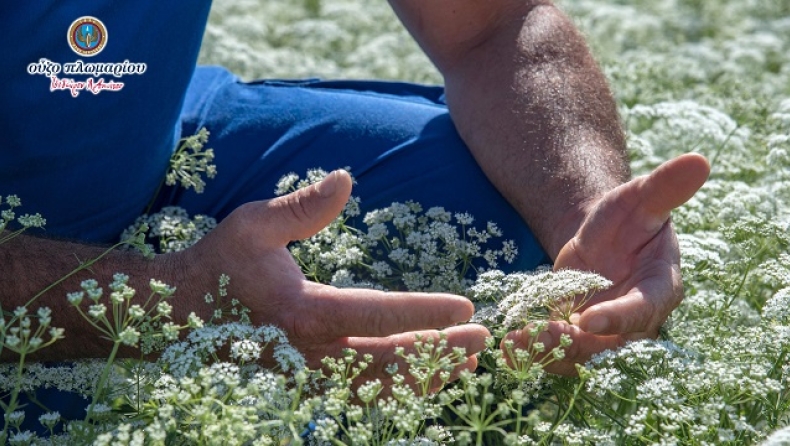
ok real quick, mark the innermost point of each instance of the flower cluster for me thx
(224, 309)
(674, 395)
(23, 222)
(202, 345)
(171, 229)
(521, 298)
(400, 247)
(190, 162)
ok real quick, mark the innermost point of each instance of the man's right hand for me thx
(250, 246)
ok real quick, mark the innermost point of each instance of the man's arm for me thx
(538, 116)
(529, 101)
(250, 246)
(31, 264)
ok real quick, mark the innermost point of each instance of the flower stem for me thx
(104, 377)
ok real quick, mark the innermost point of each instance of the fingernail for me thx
(326, 188)
(598, 324)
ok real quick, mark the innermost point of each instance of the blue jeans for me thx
(397, 139)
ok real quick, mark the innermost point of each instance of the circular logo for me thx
(87, 36)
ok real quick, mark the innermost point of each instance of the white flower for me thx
(44, 316)
(170, 331)
(245, 350)
(161, 288)
(13, 201)
(20, 312)
(779, 438)
(381, 269)
(32, 221)
(777, 308)
(49, 419)
(97, 311)
(164, 308)
(129, 336)
(464, 219)
(75, 298)
(194, 321)
(377, 231)
(15, 418)
(21, 438)
(286, 184)
(12, 340)
(56, 333)
(136, 312)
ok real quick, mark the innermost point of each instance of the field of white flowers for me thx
(690, 75)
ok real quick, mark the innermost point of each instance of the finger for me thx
(333, 313)
(670, 185)
(582, 348)
(673, 183)
(470, 337)
(643, 302)
(303, 213)
(642, 309)
(631, 215)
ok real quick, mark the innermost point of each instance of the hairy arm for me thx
(31, 264)
(250, 246)
(538, 116)
(529, 101)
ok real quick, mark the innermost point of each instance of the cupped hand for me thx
(626, 236)
(320, 320)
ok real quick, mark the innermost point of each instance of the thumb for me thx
(303, 213)
(671, 185)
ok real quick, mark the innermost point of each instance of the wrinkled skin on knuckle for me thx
(309, 341)
(296, 207)
(373, 321)
(378, 321)
(304, 329)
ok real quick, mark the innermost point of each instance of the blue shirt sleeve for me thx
(88, 149)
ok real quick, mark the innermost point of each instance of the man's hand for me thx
(627, 237)
(250, 246)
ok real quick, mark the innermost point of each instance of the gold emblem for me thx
(87, 36)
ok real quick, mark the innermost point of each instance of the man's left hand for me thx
(626, 237)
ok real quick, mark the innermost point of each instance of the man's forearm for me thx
(31, 264)
(539, 118)
(532, 105)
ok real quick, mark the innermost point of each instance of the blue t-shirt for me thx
(86, 130)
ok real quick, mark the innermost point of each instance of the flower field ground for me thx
(689, 75)
(711, 77)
